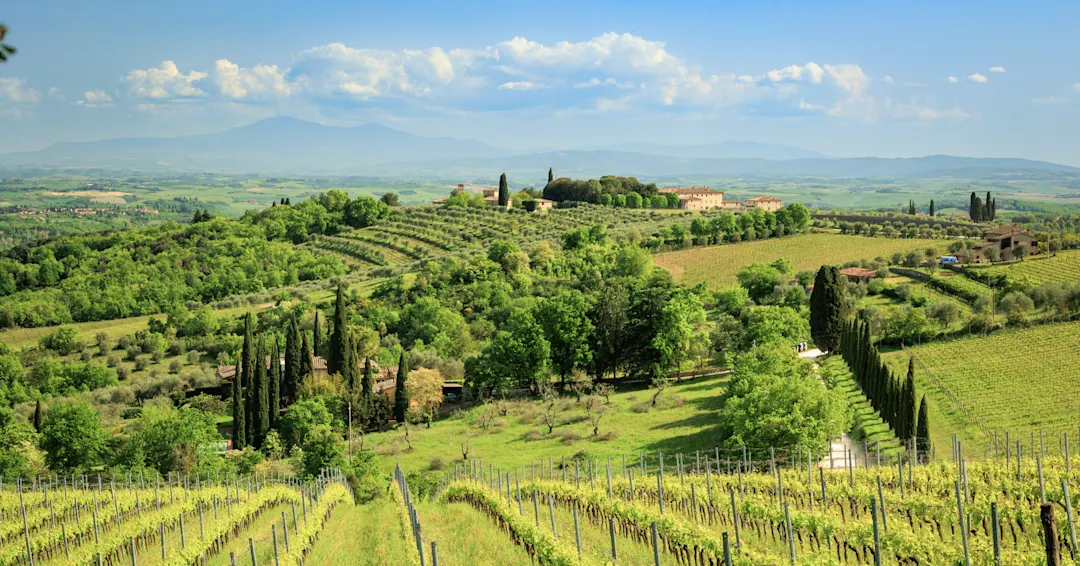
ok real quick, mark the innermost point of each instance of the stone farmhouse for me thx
(1004, 240)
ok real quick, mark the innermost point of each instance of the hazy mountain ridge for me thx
(287, 145)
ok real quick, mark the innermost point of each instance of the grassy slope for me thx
(868, 424)
(717, 265)
(993, 375)
(466, 536)
(687, 424)
(368, 534)
(23, 337)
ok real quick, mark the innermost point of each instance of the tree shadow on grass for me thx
(704, 420)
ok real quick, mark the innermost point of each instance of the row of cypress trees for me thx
(344, 359)
(893, 399)
(261, 387)
(982, 210)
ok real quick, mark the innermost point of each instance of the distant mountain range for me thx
(287, 145)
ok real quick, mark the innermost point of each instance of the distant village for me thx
(690, 198)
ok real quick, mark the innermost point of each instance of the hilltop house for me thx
(1004, 240)
(858, 274)
(696, 198)
(490, 195)
(766, 203)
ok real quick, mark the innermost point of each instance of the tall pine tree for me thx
(316, 335)
(293, 374)
(239, 435)
(401, 395)
(274, 377)
(307, 363)
(369, 379)
(262, 403)
(504, 191)
(922, 431)
(338, 339)
(248, 378)
(826, 308)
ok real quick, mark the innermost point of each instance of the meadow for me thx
(718, 265)
(514, 431)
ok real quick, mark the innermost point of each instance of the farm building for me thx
(1001, 242)
(766, 203)
(228, 372)
(858, 274)
(544, 204)
(490, 194)
(696, 198)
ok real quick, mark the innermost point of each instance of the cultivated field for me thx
(1065, 266)
(1017, 380)
(717, 265)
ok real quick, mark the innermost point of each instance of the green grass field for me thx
(868, 424)
(1017, 380)
(717, 265)
(683, 421)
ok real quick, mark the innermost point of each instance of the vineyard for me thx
(982, 385)
(718, 265)
(725, 507)
(1064, 266)
(77, 520)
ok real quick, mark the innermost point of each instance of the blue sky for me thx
(844, 78)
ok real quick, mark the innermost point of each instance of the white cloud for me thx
(259, 82)
(953, 80)
(17, 99)
(610, 81)
(811, 71)
(581, 76)
(521, 85)
(997, 69)
(95, 99)
(1048, 100)
(164, 82)
(54, 93)
(1076, 86)
(976, 77)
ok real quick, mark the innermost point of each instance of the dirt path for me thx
(843, 447)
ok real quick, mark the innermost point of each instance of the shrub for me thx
(436, 464)
(569, 437)
(175, 366)
(193, 357)
(141, 363)
(158, 355)
(532, 435)
(609, 435)
(123, 372)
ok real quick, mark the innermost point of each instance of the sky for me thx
(896, 79)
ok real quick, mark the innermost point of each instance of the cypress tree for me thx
(986, 207)
(931, 207)
(239, 436)
(37, 415)
(922, 432)
(401, 396)
(307, 364)
(993, 209)
(275, 382)
(504, 191)
(348, 364)
(316, 338)
(336, 354)
(248, 379)
(826, 316)
(971, 207)
(262, 396)
(551, 176)
(908, 404)
(369, 379)
(293, 373)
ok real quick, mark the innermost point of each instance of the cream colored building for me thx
(766, 203)
(696, 198)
